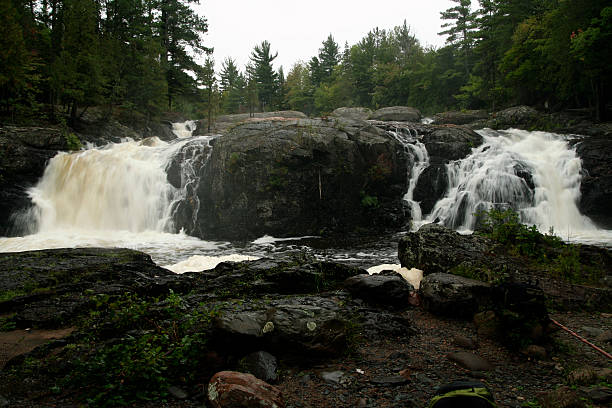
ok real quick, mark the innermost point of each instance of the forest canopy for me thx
(144, 57)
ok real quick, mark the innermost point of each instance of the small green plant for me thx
(72, 141)
(369, 202)
(233, 164)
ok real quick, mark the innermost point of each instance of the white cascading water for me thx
(183, 130)
(409, 138)
(497, 174)
(117, 195)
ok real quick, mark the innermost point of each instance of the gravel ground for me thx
(393, 372)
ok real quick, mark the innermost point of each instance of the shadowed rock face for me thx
(301, 177)
(24, 153)
(596, 187)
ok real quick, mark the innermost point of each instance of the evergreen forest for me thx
(141, 58)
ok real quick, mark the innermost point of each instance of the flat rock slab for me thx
(17, 342)
(389, 381)
(470, 361)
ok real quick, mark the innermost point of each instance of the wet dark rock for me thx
(470, 361)
(296, 328)
(596, 185)
(516, 116)
(262, 365)
(295, 177)
(434, 248)
(267, 276)
(452, 295)
(397, 114)
(24, 152)
(380, 289)
(48, 284)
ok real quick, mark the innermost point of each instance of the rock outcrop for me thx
(596, 186)
(224, 123)
(459, 117)
(352, 113)
(287, 177)
(397, 113)
(437, 249)
(24, 152)
(452, 295)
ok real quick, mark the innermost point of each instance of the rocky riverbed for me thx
(108, 327)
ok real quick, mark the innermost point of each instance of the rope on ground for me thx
(582, 339)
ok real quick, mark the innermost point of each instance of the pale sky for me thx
(297, 29)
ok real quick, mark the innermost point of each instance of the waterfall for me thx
(117, 195)
(535, 173)
(409, 139)
(184, 130)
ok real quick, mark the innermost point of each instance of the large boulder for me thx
(352, 113)
(397, 114)
(24, 152)
(596, 186)
(435, 249)
(307, 327)
(288, 177)
(231, 389)
(390, 290)
(452, 295)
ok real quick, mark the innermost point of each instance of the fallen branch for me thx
(582, 339)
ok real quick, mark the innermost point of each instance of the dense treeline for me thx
(554, 54)
(139, 56)
(58, 57)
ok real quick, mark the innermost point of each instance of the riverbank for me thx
(125, 331)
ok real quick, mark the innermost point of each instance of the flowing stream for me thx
(119, 196)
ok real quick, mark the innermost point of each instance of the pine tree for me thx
(207, 80)
(13, 57)
(264, 75)
(460, 29)
(77, 74)
(181, 29)
(329, 57)
(229, 74)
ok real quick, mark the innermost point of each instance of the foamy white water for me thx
(420, 161)
(114, 196)
(198, 263)
(498, 174)
(184, 130)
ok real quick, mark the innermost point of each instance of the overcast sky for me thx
(296, 29)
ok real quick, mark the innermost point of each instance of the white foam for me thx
(198, 263)
(413, 276)
(267, 239)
